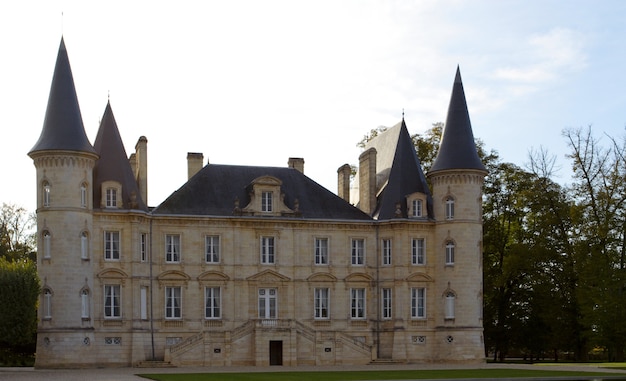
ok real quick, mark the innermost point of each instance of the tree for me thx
(17, 240)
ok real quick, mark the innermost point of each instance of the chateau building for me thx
(252, 265)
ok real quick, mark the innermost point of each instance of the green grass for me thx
(369, 375)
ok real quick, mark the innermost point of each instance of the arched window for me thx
(449, 307)
(84, 245)
(449, 253)
(46, 193)
(83, 195)
(84, 302)
(449, 208)
(46, 307)
(47, 238)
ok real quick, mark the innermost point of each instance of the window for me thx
(47, 304)
(449, 253)
(321, 303)
(143, 247)
(321, 251)
(173, 303)
(84, 245)
(143, 303)
(386, 303)
(172, 248)
(449, 310)
(112, 302)
(386, 251)
(266, 202)
(417, 251)
(212, 303)
(417, 208)
(358, 251)
(418, 303)
(212, 249)
(357, 303)
(47, 238)
(449, 208)
(111, 198)
(111, 245)
(83, 195)
(267, 250)
(46, 193)
(84, 301)
(267, 303)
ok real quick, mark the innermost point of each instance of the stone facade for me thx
(272, 281)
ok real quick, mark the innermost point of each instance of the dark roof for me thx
(457, 149)
(214, 189)
(405, 177)
(63, 127)
(113, 164)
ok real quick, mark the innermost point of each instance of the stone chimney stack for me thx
(141, 167)
(297, 163)
(343, 182)
(194, 163)
(367, 181)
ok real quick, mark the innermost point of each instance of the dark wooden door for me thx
(276, 352)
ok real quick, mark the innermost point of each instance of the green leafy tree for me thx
(17, 239)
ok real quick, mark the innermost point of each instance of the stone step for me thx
(155, 364)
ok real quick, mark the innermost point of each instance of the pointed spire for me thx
(457, 149)
(63, 127)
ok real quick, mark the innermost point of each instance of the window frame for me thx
(321, 251)
(173, 303)
(84, 245)
(46, 189)
(418, 302)
(212, 242)
(386, 247)
(357, 252)
(358, 303)
(418, 251)
(386, 303)
(265, 297)
(212, 303)
(173, 252)
(112, 245)
(267, 201)
(449, 206)
(113, 310)
(321, 303)
(417, 208)
(268, 250)
(46, 306)
(450, 252)
(110, 197)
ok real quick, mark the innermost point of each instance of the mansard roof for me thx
(218, 190)
(457, 149)
(113, 164)
(405, 177)
(63, 127)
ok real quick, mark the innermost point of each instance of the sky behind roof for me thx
(257, 82)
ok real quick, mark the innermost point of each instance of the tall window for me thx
(212, 303)
(47, 304)
(321, 251)
(449, 208)
(417, 208)
(357, 303)
(266, 202)
(267, 303)
(46, 193)
(267, 250)
(321, 302)
(47, 238)
(84, 245)
(173, 303)
(418, 303)
(143, 247)
(449, 253)
(386, 251)
(449, 310)
(84, 301)
(112, 302)
(111, 197)
(212, 249)
(417, 251)
(172, 248)
(358, 251)
(143, 303)
(83, 195)
(111, 245)
(386, 303)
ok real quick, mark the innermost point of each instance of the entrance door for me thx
(276, 352)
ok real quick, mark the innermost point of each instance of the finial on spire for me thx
(402, 113)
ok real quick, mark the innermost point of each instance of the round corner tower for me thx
(457, 177)
(64, 159)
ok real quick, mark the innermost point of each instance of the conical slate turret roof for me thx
(405, 177)
(457, 149)
(113, 164)
(63, 127)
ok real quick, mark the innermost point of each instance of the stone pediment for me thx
(322, 277)
(359, 277)
(208, 276)
(419, 277)
(173, 275)
(267, 180)
(268, 276)
(112, 274)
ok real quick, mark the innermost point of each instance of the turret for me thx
(457, 176)
(64, 160)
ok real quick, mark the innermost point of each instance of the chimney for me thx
(297, 163)
(343, 182)
(194, 163)
(367, 181)
(141, 167)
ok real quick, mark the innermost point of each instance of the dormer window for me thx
(267, 201)
(416, 208)
(111, 197)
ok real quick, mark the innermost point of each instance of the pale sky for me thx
(257, 82)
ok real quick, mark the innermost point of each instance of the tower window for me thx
(83, 195)
(47, 304)
(449, 208)
(449, 253)
(449, 309)
(46, 193)
(84, 245)
(47, 238)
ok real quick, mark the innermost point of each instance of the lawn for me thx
(371, 375)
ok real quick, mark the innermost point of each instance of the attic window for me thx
(111, 195)
(266, 201)
(417, 207)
